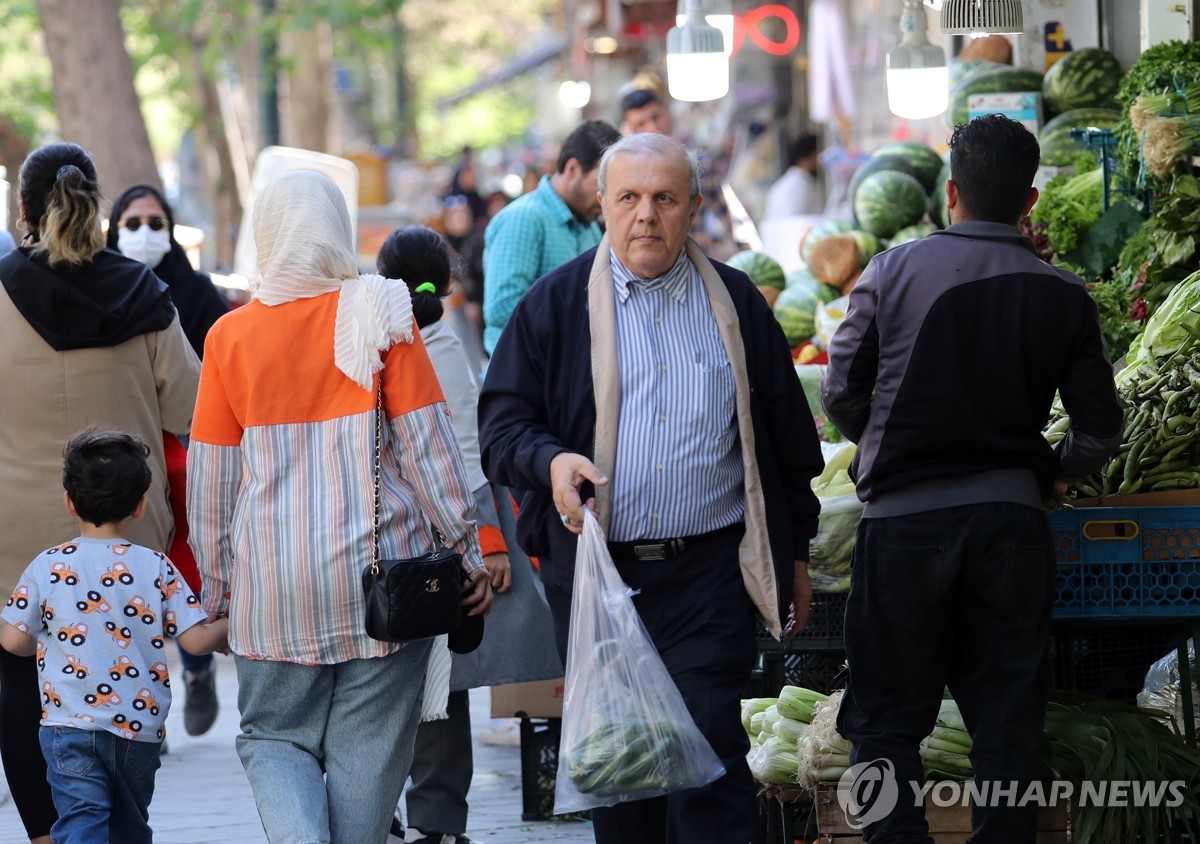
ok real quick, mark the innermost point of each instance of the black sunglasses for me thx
(156, 224)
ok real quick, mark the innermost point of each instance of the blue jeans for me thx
(102, 785)
(327, 747)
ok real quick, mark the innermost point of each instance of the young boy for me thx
(95, 611)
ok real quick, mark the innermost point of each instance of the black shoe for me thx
(438, 837)
(200, 708)
(397, 828)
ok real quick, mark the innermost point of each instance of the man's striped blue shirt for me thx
(678, 470)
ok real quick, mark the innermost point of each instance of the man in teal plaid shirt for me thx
(545, 228)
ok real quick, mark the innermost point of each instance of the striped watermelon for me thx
(796, 309)
(888, 201)
(828, 228)
(926, 164)
(875, 164)
(939, 212)
(959, 69)
(763, 270)
(911, 233)
(1086, 78)
(868, 245)
(1058, 147)
(991, 80)
(803, 275)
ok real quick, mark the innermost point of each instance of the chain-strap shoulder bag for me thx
(417, 598)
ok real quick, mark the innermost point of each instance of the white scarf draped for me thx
(305, 249)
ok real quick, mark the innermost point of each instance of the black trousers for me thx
(24, 765)
(702, 622)
(959, 597)
(441, 771)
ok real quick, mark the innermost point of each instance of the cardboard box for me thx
(540, 699)
(1025, 108)
(947, 824)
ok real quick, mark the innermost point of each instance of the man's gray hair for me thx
(651, 142)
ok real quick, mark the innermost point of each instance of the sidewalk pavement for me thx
(202, 796)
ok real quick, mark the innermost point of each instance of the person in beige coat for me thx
(87, 336)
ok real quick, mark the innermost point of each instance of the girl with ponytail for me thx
(442, 767)
(60, 205)
(87, 336)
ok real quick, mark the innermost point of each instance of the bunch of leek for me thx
(1106, 741)
(823, 754)
(831, 551)
(774, 761)
(797, 703)
(944, 751)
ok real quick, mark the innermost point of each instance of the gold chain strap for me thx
(378, 469)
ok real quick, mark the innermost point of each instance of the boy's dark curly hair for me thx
(106, 473)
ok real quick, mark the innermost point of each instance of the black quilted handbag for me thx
(411, 599)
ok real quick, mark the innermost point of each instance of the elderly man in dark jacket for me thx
(656, 386)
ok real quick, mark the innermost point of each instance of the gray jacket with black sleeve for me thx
(946, 366)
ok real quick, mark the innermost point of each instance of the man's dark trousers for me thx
(700, 618)
(958, 597)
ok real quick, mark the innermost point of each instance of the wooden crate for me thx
(947, 824)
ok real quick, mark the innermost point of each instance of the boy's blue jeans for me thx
(102, 785)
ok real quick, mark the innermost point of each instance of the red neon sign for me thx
(749, 26)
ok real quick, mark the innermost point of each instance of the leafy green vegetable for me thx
(1158, 69)
(1165, 249)
(1114, 302)
(1069, 206)
(1174, 323)
(1101, 245)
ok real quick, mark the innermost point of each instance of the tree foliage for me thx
(445, 48)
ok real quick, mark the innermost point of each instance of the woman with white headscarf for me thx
(280, 491)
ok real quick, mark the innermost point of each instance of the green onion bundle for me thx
(1159, 390)
(1104, 741)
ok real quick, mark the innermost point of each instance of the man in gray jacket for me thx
(944, 372)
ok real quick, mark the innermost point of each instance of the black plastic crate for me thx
(819, 670)
(539, 767)
(1107, 662)
(825, 630)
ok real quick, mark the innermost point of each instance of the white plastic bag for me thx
(828, 317)
(1164, 687)
(626, 732)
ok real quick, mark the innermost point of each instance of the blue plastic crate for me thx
(1126, 562)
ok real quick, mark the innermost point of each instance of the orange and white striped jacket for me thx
(280, 481)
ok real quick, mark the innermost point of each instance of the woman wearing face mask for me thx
(142, 227)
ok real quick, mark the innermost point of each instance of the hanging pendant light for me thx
(697, 64)
(982, 17)
(917, 79)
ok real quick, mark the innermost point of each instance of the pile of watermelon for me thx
(989, 78)
(895, 189)
(796, 307)
(763, 270)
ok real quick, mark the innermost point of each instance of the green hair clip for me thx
(425, 287)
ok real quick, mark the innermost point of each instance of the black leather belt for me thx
(664, 549)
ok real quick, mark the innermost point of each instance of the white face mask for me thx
(145, 244)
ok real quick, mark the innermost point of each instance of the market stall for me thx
(1120, 207)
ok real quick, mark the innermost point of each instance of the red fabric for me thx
(180, 553)
(491, 541)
